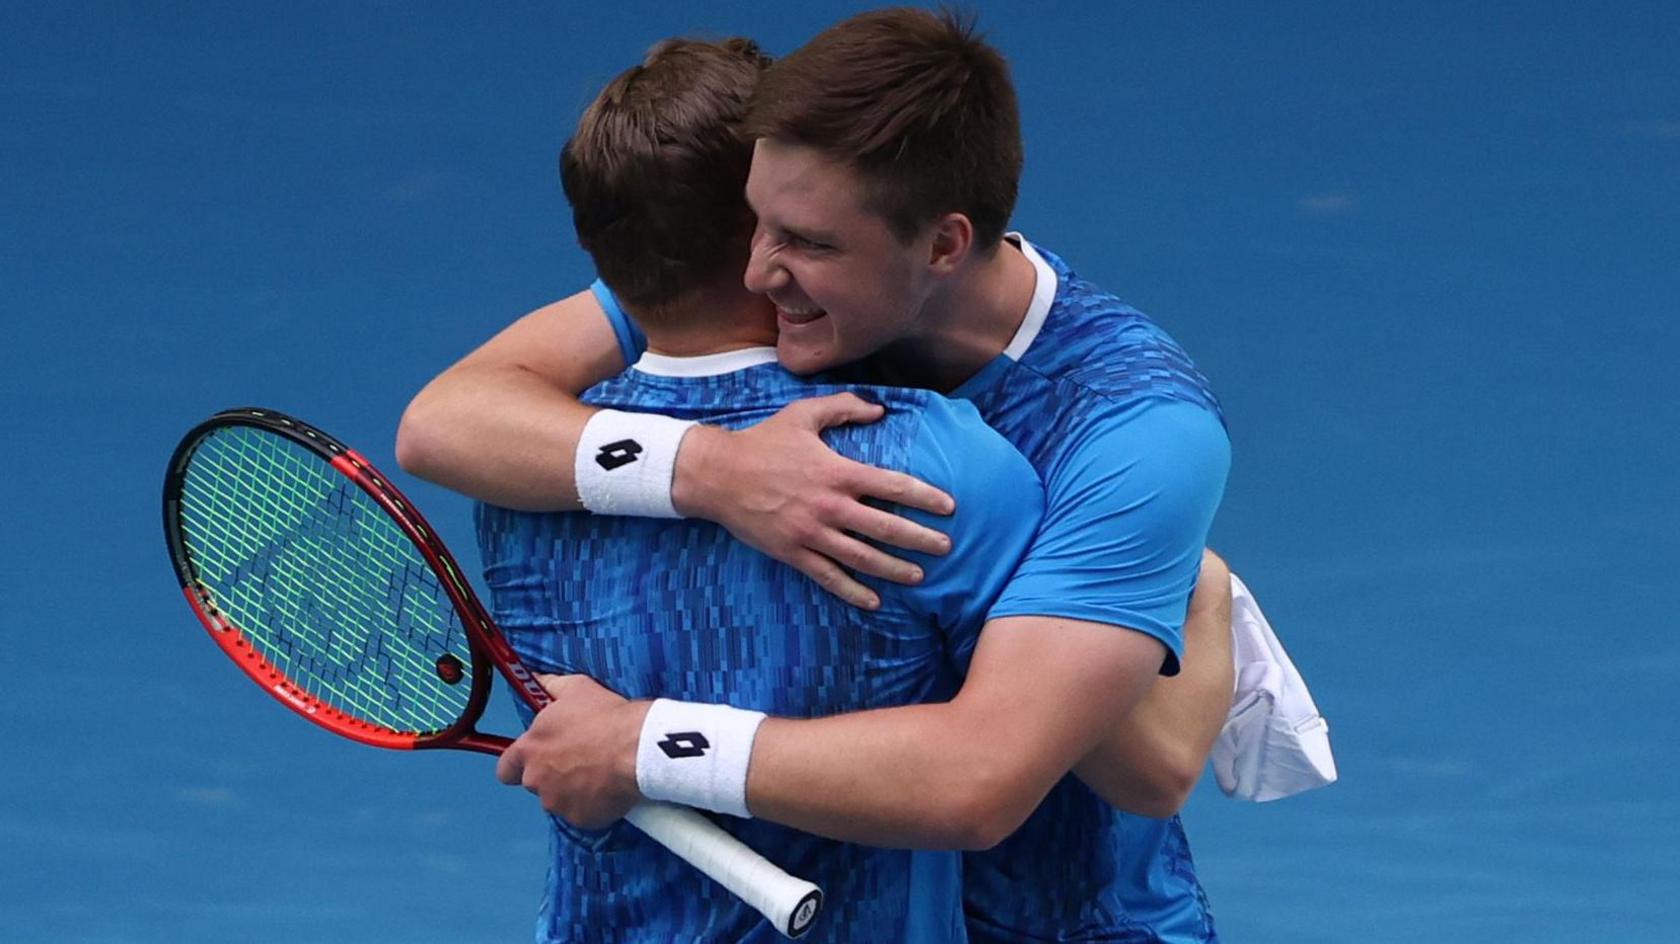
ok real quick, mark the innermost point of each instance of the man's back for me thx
(667, 608)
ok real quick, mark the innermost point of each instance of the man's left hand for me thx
(579, 756)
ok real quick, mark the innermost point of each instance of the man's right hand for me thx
(779, 488)
(579, 755)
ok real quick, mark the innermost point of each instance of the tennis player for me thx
(881, 232)
(906, 257)
(661, 607)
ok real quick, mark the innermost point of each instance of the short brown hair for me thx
(656, 171)
(917, 103)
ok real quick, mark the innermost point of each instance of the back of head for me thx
(657, 169)
(917, 103)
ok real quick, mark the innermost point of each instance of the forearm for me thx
(495, 432)
(1039, 695)
(902, 777)
(1149, 763)
(502, 425)
(963, 774)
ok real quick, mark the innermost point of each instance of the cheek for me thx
(881, 307)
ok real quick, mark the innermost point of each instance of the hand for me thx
(779, 488)
(579, 756)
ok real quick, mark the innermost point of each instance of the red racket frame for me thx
(483, 638)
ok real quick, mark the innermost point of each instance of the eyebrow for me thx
(809, 235)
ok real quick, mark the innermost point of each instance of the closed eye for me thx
(801, 242)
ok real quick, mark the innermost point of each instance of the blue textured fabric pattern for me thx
(663, 608)
(1130, 443)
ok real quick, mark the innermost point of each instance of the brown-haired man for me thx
(941, 305)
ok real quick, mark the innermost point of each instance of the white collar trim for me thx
(1044, 293)
(705, 365)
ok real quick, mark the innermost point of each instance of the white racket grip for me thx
(791, 904)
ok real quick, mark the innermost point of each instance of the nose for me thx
(764, 274)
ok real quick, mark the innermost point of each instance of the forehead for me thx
(796, 186)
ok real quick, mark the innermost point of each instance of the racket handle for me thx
(790, 903)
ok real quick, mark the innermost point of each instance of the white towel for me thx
(1274, 743)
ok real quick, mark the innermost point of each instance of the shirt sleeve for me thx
(631, 341)
(999, 503)
(1129, 501)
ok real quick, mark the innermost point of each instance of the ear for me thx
(953, 240)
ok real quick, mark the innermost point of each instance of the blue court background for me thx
(1427, 254)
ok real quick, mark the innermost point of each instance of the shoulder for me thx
(890, 442)
(953, 441)
(1130, 497)
(942, 441)
(1150, 476)
(1108, 349)
(1149, 432)
(1000, 504)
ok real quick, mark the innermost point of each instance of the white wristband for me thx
(697, 755)
(625, 461)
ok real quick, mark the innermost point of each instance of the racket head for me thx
(323, 584)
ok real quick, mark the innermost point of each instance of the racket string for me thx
(322, 582)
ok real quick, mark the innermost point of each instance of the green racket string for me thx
(321, 581)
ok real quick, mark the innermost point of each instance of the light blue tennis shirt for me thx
(679, 609)
(1130, 444)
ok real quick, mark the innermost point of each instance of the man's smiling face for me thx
(843, 284)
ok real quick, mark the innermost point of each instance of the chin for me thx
(802, 360)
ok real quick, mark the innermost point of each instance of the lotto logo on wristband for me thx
(615, 454)
(684, 744)
(676, 762)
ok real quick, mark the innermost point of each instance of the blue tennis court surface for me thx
(1426, 254)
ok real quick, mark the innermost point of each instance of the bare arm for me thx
(502, 424)
(1149, 762)
(1040, 693)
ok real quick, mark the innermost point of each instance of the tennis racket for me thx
(324, 584)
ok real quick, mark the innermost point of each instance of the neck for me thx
(968, 321)
(710, 321)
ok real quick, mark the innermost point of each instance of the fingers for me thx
(837, 409)
(860, 557)
(866, 481)
(890, 529)
(510, 767)
(814, 513)
(832, 578)
(819, 413)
